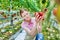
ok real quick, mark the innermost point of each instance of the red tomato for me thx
(5, 16)
(13, 15)
(39, 13)
(55, 11)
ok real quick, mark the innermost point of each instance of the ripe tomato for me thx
(40, 14)
(13, 15)
(55, 11)
(5, 16)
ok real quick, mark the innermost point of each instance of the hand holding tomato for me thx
(39, 16)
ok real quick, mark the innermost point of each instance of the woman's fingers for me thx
(36, 14)
(37, 18)
(40, 19)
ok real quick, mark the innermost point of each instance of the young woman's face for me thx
(26, 16)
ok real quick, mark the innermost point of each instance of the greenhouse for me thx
(29, 19)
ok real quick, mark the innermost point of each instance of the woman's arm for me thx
(39, 23)
(39, 28)
(31, 32)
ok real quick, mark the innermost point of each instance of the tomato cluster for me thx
(13, 15)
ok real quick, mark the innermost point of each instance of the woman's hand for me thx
(39, 22)
(39, 18)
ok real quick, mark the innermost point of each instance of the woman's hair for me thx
(21, 11)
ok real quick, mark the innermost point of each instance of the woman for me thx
(30, 25)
